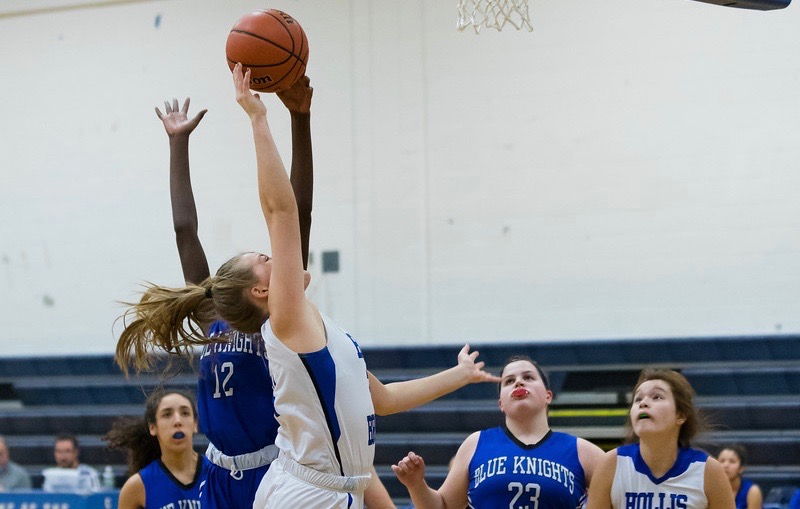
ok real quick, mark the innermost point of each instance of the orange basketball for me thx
(273, 45)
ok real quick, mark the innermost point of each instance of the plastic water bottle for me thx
(84, 486)
(108, 478)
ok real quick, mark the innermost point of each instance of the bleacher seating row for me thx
(748, 386)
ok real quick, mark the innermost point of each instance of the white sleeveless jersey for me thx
(682, 487)
(323, 403)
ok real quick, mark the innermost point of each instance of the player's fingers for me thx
(159, 114)
(167, 107)
(185, 108)
(175, 105)
(237, 70)
(197, 118)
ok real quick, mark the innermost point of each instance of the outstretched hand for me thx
(410, 470)
(176, 122)
(297, 98)
(474, 370)
(251, 103)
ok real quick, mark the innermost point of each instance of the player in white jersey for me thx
(320, 380)
(327, 425)
(659, 470)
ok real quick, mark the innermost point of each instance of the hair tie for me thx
(209, 295)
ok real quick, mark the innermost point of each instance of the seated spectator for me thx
(69, 476)
(12, 476)
(747, 493)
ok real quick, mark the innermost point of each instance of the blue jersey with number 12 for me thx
(234, 392)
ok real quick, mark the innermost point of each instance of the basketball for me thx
(273, 45)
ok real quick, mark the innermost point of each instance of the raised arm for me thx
(184, 212)
(297, 100)
(293, 319)
(401, 396)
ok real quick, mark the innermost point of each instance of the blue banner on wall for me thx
(41, 500)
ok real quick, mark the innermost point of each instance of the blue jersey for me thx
(741, 495)
(234, 392)
(504, 472)
(163, 491)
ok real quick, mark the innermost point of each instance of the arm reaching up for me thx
(280, 289)
(297, 100)
(184, 212)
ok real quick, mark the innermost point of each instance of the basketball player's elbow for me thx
(384, 399)
(275, 207)
(185, 230)
(383, 410)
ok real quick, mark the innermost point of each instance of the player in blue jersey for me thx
(522, 464)
(334, 388)
(746, 493)
(659, 469)
(234, 387)
(167, 472)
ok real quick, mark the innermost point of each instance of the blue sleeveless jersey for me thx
(234, 392)
(163, 491)
(741, 495)
(504, 472)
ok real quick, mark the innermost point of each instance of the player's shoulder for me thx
(132, 493)
(471, 442)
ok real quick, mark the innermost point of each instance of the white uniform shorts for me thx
(288, 484)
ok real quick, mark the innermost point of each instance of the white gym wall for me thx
(629, 169)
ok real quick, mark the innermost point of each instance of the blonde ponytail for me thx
(171, 320)
(167, 320)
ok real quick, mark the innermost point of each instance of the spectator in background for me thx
(747, 494)
(12, 476)
(69, 475)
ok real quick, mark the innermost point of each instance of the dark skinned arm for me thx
(297, 100)
(184, 212)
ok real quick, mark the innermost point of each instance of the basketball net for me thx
(493, 14)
